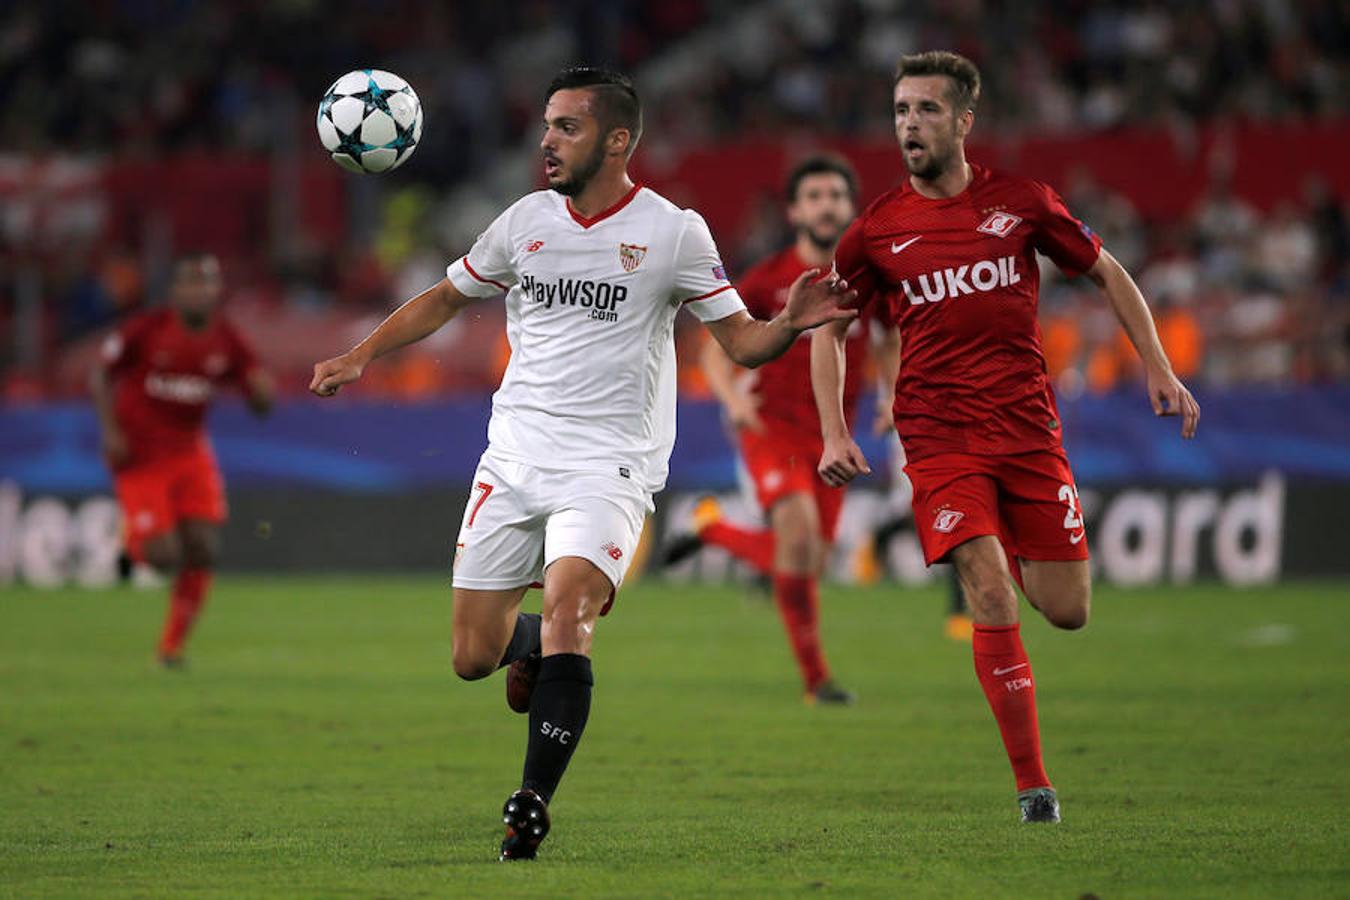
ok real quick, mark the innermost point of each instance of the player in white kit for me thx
(594, 271)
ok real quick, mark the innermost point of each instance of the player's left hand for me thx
(1169, 397)
(331, 374)
(813, 300)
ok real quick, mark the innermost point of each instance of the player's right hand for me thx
(842, 461)
(744, 414)
(115, 447)
(332, 374)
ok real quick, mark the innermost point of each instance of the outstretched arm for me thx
(1166, 393)
(812, 301)
(408, 324)
(842, 459)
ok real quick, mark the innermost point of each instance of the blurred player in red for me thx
(954, 250)
(158, 374)
(778, 429)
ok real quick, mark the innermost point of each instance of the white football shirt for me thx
(590, 317)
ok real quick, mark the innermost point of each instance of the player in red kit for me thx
(778, 430)
(953, 249)
(156, 379)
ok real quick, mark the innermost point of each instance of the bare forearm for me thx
(1131, 310)
(414, 320)
(100, 391)
(758, 341)
(828, 360)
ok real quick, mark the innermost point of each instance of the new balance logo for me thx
(1011, 669)
(896, 248)
(979, 278)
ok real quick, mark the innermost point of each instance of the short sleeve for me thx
(701, 282)
(122, 347)
(486, 270)
(851, 262)
(1072, 245)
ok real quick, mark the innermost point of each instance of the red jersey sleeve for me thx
(1073, 246)
(122, 348)
(850, 260)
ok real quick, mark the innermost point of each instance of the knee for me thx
(164, 555)
(199, 554)
(1069, 612)
(470, 663)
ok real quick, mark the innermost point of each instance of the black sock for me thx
(558, 711)
(524, 640)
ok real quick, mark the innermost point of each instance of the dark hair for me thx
(965, 78)
(821, 164)
(616, 102)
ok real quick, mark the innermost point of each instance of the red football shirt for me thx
(960, 274)
(164, 375)
(783, 385)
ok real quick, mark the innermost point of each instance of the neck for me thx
(604, 190)
(810, 252)
(193, 324)
(950, 183)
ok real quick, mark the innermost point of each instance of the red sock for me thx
(1005, 674)
(189, 592)
(799, 605)
(753, 545)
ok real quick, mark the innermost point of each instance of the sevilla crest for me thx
(630, 256)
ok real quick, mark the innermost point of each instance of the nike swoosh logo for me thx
(896, 248)
(1075, 538)
(1011, 669)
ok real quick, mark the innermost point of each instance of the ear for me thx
(618, 140)
(965, 122)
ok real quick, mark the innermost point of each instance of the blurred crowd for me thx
(1242, 294)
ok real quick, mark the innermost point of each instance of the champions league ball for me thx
(370, 121)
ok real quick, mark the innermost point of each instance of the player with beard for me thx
(778, 430)
(954, 249)
(157, 376)
(594, 270)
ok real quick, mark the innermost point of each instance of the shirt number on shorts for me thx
(486, 491)
(1074, 517)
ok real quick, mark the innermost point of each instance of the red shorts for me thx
(1028, 501)
(156, 496)
(784, 462)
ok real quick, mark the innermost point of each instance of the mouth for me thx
(913, 147)
(551, 166)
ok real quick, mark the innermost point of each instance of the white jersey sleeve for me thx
(488, 268)
(701, 282)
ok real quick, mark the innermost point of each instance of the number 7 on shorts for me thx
(486, 490)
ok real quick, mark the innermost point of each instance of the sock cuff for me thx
(566, 667)
(998, 629)
(794, 581)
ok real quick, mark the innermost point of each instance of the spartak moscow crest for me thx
(630, 256)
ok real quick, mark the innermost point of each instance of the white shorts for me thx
(521, 518)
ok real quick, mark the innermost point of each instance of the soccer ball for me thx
(370, 121)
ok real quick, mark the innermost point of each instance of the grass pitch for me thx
(320, 746)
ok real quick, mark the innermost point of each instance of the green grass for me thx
(319, 746)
